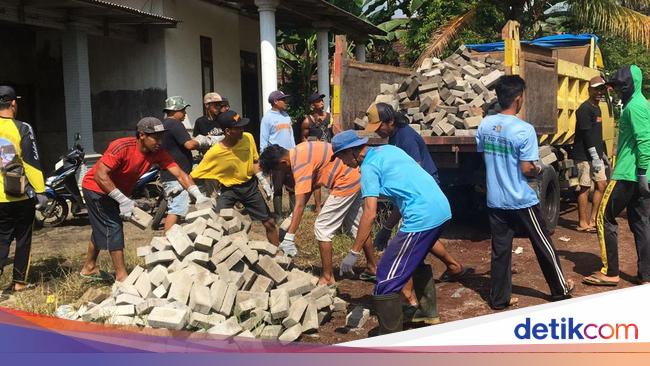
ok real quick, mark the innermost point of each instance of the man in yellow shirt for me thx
(233, 162)
(18, 195)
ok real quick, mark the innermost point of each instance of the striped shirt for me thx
(312, 168)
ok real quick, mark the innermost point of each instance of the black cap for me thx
(150, 125)
(7, 93)
(231, 119)
(277, 95)
(315, 97)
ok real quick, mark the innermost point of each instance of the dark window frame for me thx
(206, 62)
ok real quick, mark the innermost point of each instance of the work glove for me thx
(643, 182)
(288, 246)
(266, 187)
(382, 237)
(198, 196)
(215, 139)
(347, 266)
(41, 201)
(204, 141)
(126, 205)
(596, 162)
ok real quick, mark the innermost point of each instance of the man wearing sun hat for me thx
(425, 211)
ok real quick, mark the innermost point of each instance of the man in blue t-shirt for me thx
(509, 147)
(425, 211)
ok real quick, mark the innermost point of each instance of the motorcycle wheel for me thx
(161, 211)
(54, 213)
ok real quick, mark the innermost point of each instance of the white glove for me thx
(266, 187)
(347, 266)
(215, 139)
(41, 201)
(203, 141)
(596, 162)
(126, 205)
(198, 196)
(288, 246)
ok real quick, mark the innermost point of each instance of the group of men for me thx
(357, 176)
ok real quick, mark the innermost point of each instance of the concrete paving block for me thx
(120, 320)
(244, 307)
(200, 301)
(324, 316)
(227, 213)
(232, 226)
(447, 128)
(234, 258)
(261, 298)
(198, 257)
(490, 79)
(159, 244)
(261, 284)
(147, 305)
(339, 304)
(198, 320)
(214, 224)
(250, 254)
(143, 251)
(357, 317)
(143, 285)
(141, 218)
(217, 293)
(254, 319)
(298, 286)
(204, 278)
(236, 278)
(271, 269)
(213, 234)
(174, 319)
(323, 301)
(279, 301)
(296, 312)
(159, 292)
(157, 275)
(228, 328)
(203, 243)
(549, 159)
(125, 310)
(176, 266)
(196, 228)
(291, 334)
(221, 255)
(284, 261)
(180, 241)
(472, 122)
(317, 292)
(386, 88)
(204, 213)
(133, 276)
(180, 288)
(122, 288)
(246, 334)
(128, 299)
(310, 319)
(249, 278)
(271, 332)
(228, 300)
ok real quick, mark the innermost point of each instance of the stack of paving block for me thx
(207, 276)
(446, 97)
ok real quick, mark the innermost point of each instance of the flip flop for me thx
(367, 276)
(11, 290)
(101, 276)
(597, 281)
(591, 230)
(451, 277)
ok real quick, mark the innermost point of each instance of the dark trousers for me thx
(618, 196)
(16, 221)
(502, 225)
(281, 179)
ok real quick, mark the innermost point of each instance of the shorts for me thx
(105, 221)
(338, 211)
(586, 174)
(249, 195)
(177, 204)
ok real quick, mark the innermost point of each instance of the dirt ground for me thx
(57, 255)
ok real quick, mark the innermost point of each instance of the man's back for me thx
(312, 160)
(412, 143)
(173, 141)
(506, 141)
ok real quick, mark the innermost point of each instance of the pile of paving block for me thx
(446, 97)
(207, 276)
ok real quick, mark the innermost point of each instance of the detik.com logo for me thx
(569, 328)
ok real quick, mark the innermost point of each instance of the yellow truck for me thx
(557, 81)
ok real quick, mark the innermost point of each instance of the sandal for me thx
(513, 301)
(570, 287)
(100, 277)
(367, 276)
(455, 277)
(590, 230)
(593, 280)
(12, 290)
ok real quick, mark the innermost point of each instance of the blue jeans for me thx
(177, 203)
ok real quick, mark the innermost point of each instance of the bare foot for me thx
(325, 281)
(20, 286)
(90, 271)
(454, 268)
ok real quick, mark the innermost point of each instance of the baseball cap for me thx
(346, 140)
(231, 119)
(175, 103)
(597, 81)
(315, 97)
(373, 119)
(212, 98)
(7, 93)
(277, 95)
(150, 125)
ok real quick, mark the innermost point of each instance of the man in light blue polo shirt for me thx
(387, 171)
(509, 147)
(276, 128)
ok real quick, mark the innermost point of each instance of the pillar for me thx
(360, 51)
(322, 45)
(266, 9)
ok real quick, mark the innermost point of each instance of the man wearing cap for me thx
(207, 125)
(313, 166)
(107, 186)
(17, 201)
(233, 163)
(178, 143)
(628, 190)
(425, 211)
(317, 127)
(588, 155)
(276, 128)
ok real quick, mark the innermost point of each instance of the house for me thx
(95, 67)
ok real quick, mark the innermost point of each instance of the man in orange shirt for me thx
(312, 167)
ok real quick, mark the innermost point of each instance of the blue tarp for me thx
(560, 40)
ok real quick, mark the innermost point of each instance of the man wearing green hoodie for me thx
(628, 188)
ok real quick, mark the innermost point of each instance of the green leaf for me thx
(415, 5)
(392, 24)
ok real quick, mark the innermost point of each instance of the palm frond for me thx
(440, 38)
(611, 17)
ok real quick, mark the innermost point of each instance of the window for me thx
(206, 65)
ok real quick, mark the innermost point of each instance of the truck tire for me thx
(549, 197)
(160, 213)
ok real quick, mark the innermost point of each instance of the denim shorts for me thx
(177, 203)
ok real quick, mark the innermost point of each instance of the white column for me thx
(322, 31)
(76, 86)
(266, 9)
(360, 51)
